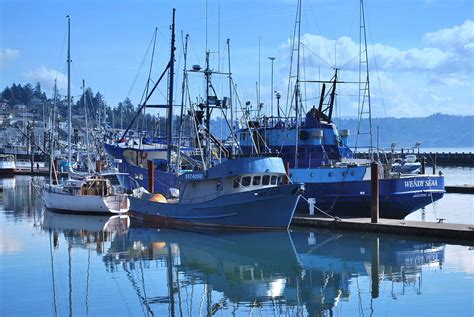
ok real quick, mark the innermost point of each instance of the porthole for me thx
(344, 174)
(330, 174)
(311, 175)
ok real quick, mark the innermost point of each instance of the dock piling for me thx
(374, 177)
(151, 176)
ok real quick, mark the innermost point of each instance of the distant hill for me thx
(437, 130)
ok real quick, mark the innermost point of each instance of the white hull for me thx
(89, 204)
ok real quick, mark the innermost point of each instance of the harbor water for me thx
(56, 264)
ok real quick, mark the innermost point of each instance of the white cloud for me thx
(46, 76)
(8, 55)
(457, 37)
(436, 77)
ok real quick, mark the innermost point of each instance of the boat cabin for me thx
(231, 176)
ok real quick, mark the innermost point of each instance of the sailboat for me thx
(93, 194)
(318, 153)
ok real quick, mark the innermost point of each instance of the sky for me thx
(420, 52)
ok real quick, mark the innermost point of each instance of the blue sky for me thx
(421, 52)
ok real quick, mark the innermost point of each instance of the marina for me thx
(339, 184)
(83, 264)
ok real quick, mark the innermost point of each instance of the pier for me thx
(438, 158)
(438, 230)
(463, 189)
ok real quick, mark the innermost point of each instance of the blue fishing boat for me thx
(242, 193)
(318, 154)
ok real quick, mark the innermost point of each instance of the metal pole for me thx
(271, 94)
(170, 94)
(374, 173)
(69, 128)
(230, 104)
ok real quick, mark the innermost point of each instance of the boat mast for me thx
(230, 101)
(207, 73)
(364, 87)
(183, 91)
(297, 84)
(69, 89)
(89, 162)
(170, 93)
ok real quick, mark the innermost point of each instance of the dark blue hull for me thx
(266, 208)
(398, 196)
(163, 181)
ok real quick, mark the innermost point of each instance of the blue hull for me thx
(266, 208)
(162, 183)
(398, 197)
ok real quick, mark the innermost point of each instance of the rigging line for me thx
(350, 28)
(315, 54)
(141, 66)
(61, 56)
(319, 29)
(376, 67)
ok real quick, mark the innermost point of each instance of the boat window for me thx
(246, 181)
(273, 180)
(236, 183)
(265, 180)
(256, 180)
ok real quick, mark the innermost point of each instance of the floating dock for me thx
(438, 158)
(463, 189)
(439, 230)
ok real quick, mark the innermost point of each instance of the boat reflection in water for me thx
(335, 264)
(206, 272)
(299, 273)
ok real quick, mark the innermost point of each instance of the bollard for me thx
(374, 179)
(311, 203)
(151, 176)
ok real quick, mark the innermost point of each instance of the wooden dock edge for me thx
(467, 189)
(457, 233)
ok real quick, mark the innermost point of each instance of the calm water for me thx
(59, 265)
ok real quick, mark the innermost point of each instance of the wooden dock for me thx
(439, 230)
(438, 158)
(463, 189)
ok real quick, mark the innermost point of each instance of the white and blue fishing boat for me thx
(318, 154)
(229, 190)
(245, 192)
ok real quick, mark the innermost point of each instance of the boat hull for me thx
(139, 174)
(85, 204)
(398, 196)
(266, 208)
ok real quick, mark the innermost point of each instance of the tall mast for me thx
(69, 128)
(230, 100)
(297, 84)
(183, 90)
(364, 87)
(170, 94)
(84, 103)
(208, 111)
